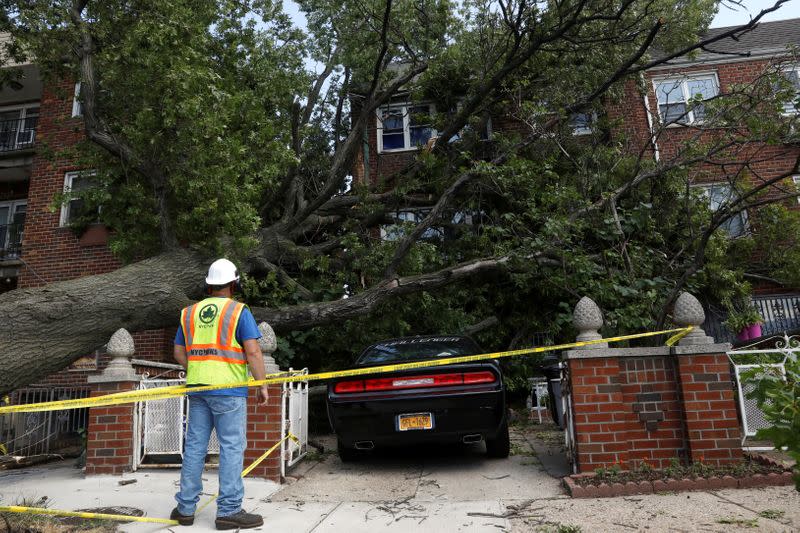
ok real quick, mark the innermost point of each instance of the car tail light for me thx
(471, 378)
(349, 386)
(415, 382)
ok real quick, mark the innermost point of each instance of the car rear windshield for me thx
(417, 349)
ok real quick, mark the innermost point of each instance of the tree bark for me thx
(45, 329)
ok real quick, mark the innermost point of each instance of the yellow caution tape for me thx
(78, 514)
(127, 518)
(250, 468)
(283, 377)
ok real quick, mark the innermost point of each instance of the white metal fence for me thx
(160, 426)
(294, 407)
(48, 432)
(750, 361)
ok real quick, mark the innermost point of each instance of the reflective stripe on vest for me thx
(215, 357)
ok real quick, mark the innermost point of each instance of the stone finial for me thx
(588, 319)
(120, 347)
(268, 344)
(689, 312)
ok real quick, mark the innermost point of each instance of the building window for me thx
(719, 194)
(12, 222)
(18, 127)
(581, 123)
(792, 106)
(73, 207)
(796, 180)
(675, 96)
(77, 106)
(404, 126)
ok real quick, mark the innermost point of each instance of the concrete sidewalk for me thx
(438, 491)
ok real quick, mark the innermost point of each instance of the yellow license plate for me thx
(415, 421)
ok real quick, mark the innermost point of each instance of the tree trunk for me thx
(45, 329)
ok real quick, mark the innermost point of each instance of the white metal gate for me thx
(294, 408)
(746, 360)
(160, 425)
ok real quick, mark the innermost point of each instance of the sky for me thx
(742, 15)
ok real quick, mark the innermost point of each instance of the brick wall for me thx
(263, 431)
(711, 415)
(109, 447)
(55, 253)
(646, 405)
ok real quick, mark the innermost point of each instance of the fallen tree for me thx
(209, 136)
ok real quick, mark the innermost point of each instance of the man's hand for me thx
(263, 395)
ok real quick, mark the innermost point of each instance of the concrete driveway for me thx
(437, 490)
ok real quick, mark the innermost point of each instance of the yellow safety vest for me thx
(215, 357)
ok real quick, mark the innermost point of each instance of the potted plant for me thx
(746, 322)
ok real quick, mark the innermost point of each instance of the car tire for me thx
(500, 446)
(346, 454)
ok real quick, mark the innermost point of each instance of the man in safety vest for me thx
(216, 343)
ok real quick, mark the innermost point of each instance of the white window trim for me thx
(406, 126)
(77, 107)
(684, 78)
(796, 180)
(68, 177)
(796, 111)
(705, 189)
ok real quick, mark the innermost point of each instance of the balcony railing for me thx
(17, 134)
(780, 312)
(10, 240)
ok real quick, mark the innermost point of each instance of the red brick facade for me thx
(263, 431)
(54, 253)
(109, 447)
(648, 405)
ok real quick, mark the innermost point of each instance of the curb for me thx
(610, 490)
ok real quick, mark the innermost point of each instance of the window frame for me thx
(405, 106)
(588, 130)
(5, 224)
(23, 115)
(705, 190)
(795, 110)
(689, 117)
(69, 177)
(77, 105)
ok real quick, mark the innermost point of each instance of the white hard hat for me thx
(222, 272)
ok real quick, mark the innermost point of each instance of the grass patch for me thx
(772, 514)
(743, 522)
(39, 523)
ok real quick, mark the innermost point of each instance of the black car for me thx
(440, 404)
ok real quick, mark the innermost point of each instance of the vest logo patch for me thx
(208, 313)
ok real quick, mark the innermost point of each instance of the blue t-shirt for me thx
(246, 329)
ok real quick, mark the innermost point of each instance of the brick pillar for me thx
(710, 411)
(263, 431)
(704, 377)
(264, 421)
(598, 411)
(109, 447)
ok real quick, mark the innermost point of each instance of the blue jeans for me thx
(228, 415)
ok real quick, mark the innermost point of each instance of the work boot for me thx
(183, 519)
(240, 520)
